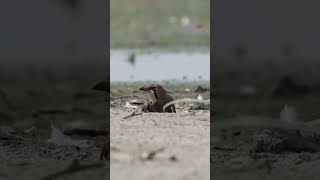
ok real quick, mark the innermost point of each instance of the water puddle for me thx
(159, 65)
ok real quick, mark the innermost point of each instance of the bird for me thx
(156, 98)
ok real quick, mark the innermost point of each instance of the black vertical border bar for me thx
(107, 57)
(212, 57)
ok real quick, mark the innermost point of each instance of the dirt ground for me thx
(153, 146)
(30, 156)
(249, 138)
(147, 146)
(251, 149)
(32, 100)
(160, 146)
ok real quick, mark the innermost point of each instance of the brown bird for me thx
(155, 99)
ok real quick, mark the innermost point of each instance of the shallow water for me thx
(156, 65)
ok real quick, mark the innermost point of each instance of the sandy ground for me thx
(160, 146)
(249, 141)
(264, 148)
(29, 155)
(148, 146)
(32, 100)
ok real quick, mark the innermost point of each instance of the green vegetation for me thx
(151, 23)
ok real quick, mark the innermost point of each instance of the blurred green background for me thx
(153, 23)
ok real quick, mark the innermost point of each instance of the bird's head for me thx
(155, 88)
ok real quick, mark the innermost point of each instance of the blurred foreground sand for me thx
(156, 146)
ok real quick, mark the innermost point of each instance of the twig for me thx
(74, 167)
(147, 156)
(85, 132)
(132, 114)
(224, 148)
